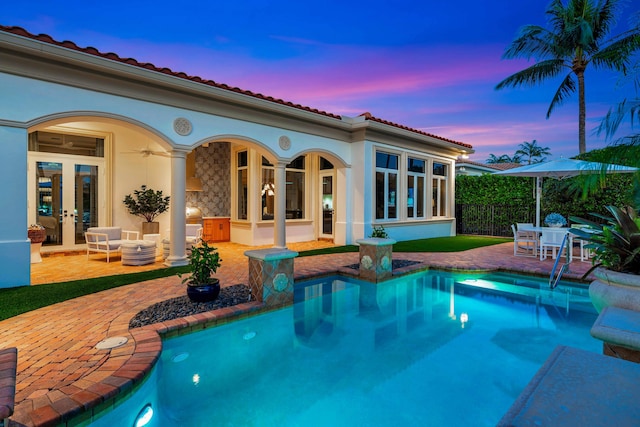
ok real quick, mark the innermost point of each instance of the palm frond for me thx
(533, 42)
(566, 88)
(614, 118)
(534, 74)
(618, 54)
(605, 18)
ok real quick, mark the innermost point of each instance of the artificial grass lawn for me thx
(16, 301)
(436, 244)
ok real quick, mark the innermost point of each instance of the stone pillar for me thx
(271, 275)
(376, 258)
(177, 252)
(280, 211)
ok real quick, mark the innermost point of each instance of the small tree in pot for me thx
(204, 261)
(148, 204)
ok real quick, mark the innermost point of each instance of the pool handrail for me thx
(553, 280)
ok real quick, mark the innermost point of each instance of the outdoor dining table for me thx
(559, 230)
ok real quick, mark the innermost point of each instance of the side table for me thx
(156, 238)
(138, 252)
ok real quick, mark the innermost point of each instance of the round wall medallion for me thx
(385, 263)
(280, 282)
(284, 142)
(182, 126)
(366, 262)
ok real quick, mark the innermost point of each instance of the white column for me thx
(177, 253)
(15, 247)
(344, 200)
(279, 223)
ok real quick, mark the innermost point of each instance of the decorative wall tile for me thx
(213, 167)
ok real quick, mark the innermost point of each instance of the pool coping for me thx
(125, 368)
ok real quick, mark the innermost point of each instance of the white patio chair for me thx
(520, 226)
(585, 253)
(552, 240)
(525, 243)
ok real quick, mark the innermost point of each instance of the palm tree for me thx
(578, 37)
(532, 152)
(503, 158)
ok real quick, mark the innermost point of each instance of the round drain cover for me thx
(111, 342)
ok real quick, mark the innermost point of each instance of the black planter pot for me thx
(204, 293)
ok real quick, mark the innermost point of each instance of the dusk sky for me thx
(430, 65)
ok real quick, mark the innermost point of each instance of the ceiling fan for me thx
(146, 152)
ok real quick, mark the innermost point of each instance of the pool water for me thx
(427, 349)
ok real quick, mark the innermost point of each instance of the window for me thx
(386, 185)
(49, 142)
(439, 199)
(416, 179)
(243, 178)
(325, 164)
(268, 190)
(295, 189)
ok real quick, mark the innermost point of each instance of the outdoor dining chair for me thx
(525, 243)
(551, 240)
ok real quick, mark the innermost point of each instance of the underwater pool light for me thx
(464, 318)
(180, 357)
(144, 416)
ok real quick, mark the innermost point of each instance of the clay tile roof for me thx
(148, 66)
(369, 116)
(504, 166)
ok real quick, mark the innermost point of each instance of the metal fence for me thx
(492, 220)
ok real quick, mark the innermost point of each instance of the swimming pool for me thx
(432, 348)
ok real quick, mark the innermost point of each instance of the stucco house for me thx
(81, 129)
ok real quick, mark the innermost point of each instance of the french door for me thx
(65, 194)
(327, 208)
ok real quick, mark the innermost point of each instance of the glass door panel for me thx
(65, 197)
(327, 205)
(49, 200)
(86, 200)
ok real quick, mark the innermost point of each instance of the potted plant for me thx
(204, 260)
(148, 204)
(616, 259)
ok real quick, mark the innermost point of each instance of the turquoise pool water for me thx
(427, 349)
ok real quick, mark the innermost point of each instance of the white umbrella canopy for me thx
(561, 169)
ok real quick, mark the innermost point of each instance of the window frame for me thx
(304, 203)
(415, 177)
(386, 172)
(440, 191)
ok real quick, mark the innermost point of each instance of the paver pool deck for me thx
(61, 374)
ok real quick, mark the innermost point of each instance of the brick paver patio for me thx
(61, 373)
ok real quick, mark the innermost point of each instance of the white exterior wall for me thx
(134, 108)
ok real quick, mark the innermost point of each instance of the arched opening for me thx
(80, 169)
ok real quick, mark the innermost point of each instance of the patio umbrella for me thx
(560, 169)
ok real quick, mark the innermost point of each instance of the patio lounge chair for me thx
(525, 243)
(107, 239)
(193, 234)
